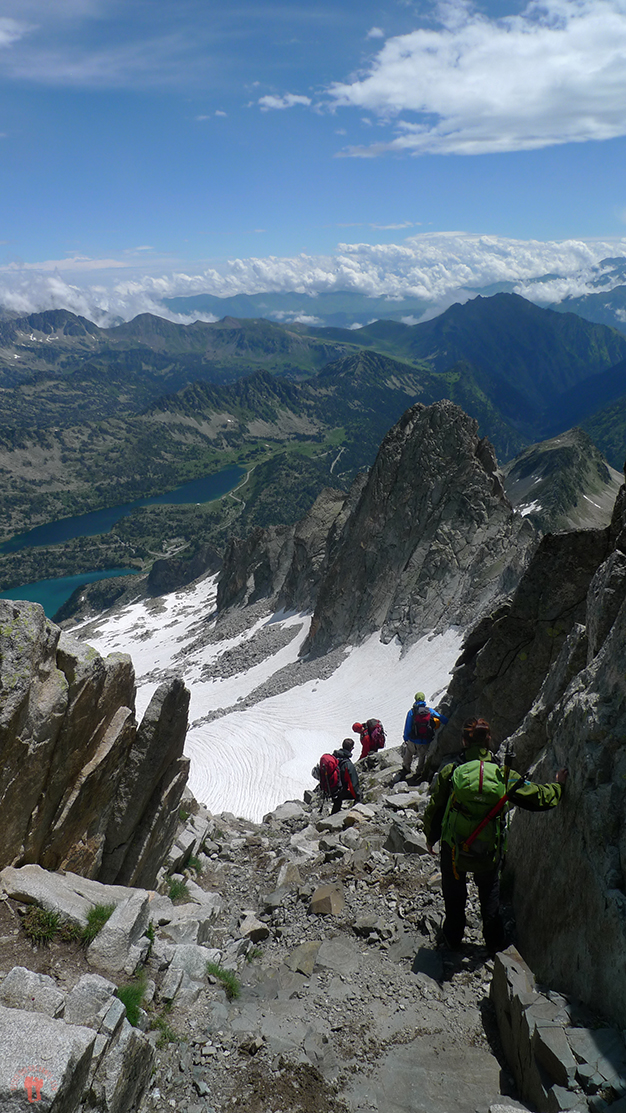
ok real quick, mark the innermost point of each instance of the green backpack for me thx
(473, 823)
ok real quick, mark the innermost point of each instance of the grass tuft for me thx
(177, 889)
(131, 995)
(70, 932)
(96, 919)
(227, 978)
(41, 926)
(166, 1034)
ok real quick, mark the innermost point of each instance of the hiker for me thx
(372, 736)
(349, 789)
(419, 730)
(472, 832)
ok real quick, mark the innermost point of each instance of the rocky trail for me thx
(329, 994)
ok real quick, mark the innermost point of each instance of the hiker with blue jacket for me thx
(419, 730)
(466, 814)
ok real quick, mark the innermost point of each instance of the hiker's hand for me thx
(430, 850)
(562, 776)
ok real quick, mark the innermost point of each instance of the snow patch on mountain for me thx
(246, 761)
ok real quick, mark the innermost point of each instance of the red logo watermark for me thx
(33, 1080)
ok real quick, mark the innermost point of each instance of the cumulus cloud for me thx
(375, 33)
(438, 268)
(288, 101)
(555, 73)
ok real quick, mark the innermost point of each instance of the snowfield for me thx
(248, 761)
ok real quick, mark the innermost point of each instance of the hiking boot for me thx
(443, 941)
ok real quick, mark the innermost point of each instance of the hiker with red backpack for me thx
(338, 777)
(467, 814)
(419, 730)
(372, 736)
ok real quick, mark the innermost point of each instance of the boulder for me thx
(23, 989)
(123, 930)
(68, 894)
(403, 839)
(327, 900)
(42, 1061)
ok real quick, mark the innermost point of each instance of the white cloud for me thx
(218, 112)
(11, 31)
(375, 33)
(555, 73)
(288, 101)
(438, 268)
(392, 227)
(70, 263)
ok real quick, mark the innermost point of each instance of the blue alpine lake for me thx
(101, 521)
(53, 593)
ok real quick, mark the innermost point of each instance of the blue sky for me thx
(152, 146)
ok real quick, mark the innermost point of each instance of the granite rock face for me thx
(549, 671)
(286, 562)
(506, 658)
(432, 542)
(71, 755)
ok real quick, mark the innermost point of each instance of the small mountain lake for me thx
(101, 521)
(53, 593)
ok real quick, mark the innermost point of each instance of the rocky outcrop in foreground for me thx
(82, 787)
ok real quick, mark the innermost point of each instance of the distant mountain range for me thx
(95, 417)
(340, 308)
(348, 309)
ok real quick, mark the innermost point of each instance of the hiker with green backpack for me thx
(467, 815)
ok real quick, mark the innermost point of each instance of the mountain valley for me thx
(87, 423)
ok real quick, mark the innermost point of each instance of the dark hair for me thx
(348, 744)
(482, 732)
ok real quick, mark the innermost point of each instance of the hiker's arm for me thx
(433, 816)
(408, 723)
(538, 798)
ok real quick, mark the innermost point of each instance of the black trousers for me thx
(338, 801)
(455, 898)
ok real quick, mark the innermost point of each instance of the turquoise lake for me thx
(51, 594)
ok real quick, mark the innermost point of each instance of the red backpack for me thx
(423, 727)
(376, 732)
(330, 775)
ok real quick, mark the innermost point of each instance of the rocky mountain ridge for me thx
(562, 483)
(427, 540)
(83, 787)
